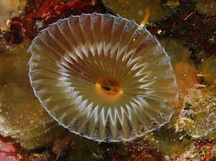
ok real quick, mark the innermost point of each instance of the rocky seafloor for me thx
(186, 29)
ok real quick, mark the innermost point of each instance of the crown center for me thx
(108, 88)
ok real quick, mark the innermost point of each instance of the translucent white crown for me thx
(102, 77)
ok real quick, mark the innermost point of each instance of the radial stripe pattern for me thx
(102, 77)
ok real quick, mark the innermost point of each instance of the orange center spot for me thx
(109, 89)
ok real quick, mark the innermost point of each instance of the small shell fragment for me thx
(102, 77)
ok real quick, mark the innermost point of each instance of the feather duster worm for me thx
(102, 77)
